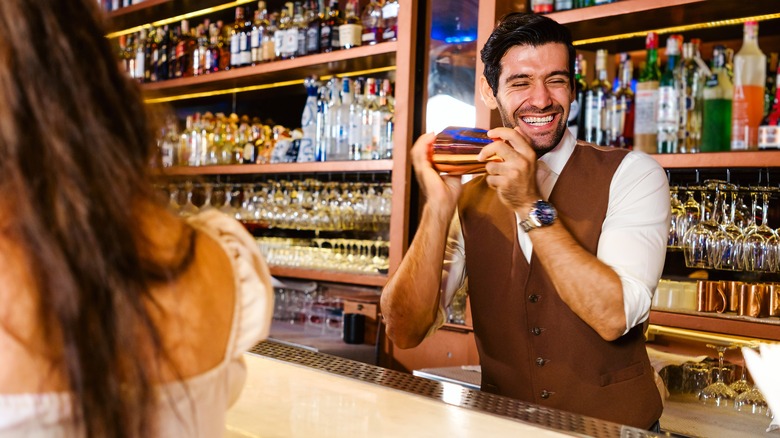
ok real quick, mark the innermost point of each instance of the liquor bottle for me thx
(163, 48)
(623, 110)
(306, 151)
(335, 21)
(223, 44)
(596, 103)
(259, 34)
(668, 118)
(322, 137)
(236, 35)
(288, 31)
(150, 54)
(387, 123)
(173, 64)
(542, 6)
(314, 27)
(749, 80)
(184, 51)
(769, 131)
(373, 25)
(245, 42)
(267, 39)
(576, 120)
(299, 22)
(646, 99)
(718, 90)
(201, 52)
(350, 32)
(140, 56)
(771, 84)
(390, 18)
(326, 28)
(358, 119)
(691, 99)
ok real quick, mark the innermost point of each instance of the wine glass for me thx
(189, 208)
(677, 213)
(750, 399)
(727, 241)
(698, 239)
(718, 393)
(757, 245)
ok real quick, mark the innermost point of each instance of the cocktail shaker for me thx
(456, 148)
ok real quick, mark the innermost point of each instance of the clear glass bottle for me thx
(749, 80)
(623, 113)
(669, 99)
(299, 22)
(578, 111)
(691, 99)
(646, 99)
(717, 94)
(373, 24)
(236, 35)
(596, 103)
(390, 18)
(313, 27)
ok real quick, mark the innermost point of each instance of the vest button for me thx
(536, 331)
(533, 298)
(540, 361)
(545, 394)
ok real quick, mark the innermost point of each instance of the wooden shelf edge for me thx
(715, 324)
(331, 276)
(616, 8)
(285, 65)
(719, 159)
(249, 169)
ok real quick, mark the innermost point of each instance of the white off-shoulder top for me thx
(195, 407)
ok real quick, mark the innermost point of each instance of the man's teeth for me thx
(538, 120)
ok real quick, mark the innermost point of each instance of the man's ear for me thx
(487, 93)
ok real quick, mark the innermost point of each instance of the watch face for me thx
(545, 213)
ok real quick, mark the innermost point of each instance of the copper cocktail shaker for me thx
(456, 148)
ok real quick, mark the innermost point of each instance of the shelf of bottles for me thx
(690, 106)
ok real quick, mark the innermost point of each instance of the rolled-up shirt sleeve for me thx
(635, 231)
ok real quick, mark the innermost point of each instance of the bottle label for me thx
(313, 43)
(369, 37)
(389, 10)
(646, 108)
(389, 34)
(350, 35)
(255, 38)
(290, 42)
(769, 137)
(668, 106)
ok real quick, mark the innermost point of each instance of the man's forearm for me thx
(589, 287)
(410, 300)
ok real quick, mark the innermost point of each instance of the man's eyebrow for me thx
(527, 76)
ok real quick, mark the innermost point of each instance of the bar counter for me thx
(293, 392)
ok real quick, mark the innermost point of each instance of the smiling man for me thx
(560, 244)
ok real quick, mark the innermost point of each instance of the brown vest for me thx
(532, 347)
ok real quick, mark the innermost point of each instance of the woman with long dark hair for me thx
(117, 317)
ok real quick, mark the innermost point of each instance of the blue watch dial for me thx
(545, 213)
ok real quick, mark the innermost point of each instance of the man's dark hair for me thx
(522, 29)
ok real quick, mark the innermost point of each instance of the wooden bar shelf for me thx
(330, 276)
(312, 168)
(759, 328)
(744, 159)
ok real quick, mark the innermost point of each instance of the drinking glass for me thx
(677, 213)
(698, 239)
(189, 208)
(718, 393)
(727, 240)
(750, 398)
(757, 245)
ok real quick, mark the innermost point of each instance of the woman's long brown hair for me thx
(75, 146)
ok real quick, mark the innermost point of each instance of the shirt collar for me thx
(556, 159)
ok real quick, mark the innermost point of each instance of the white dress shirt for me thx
(633, 235)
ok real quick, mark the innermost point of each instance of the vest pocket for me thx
(623, 374)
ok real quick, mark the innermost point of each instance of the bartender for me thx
(560, 244)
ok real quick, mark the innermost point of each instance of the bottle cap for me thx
(651, 41)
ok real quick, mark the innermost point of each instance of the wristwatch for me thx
(542, 214)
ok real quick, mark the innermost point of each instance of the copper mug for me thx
(711, 296)
(754, 301)
(455, 150)
(773, 290)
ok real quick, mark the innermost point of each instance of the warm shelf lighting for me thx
(178, 18)
(265, 86)
(677, 29)
(706, 337)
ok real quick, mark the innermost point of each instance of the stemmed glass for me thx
(750, 398)
(718, 393)
(698, 239)
(675, 236)
(727, 241)
(189, 208)
(757, 247)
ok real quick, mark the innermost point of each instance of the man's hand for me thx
(440, 191)
(514, 176)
